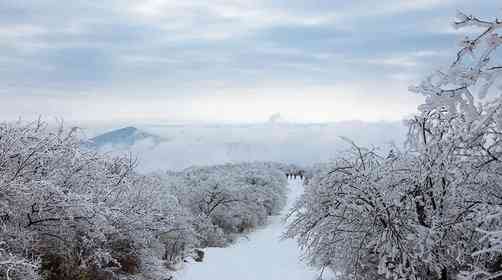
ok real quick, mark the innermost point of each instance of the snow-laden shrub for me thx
(229, 199)
(74, 214)
(432, 212)
(369, 216)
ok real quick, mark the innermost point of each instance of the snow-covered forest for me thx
(72, 213)
(419, 199)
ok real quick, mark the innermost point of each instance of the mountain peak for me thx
(122, 138)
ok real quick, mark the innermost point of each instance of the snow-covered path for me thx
(261, 257)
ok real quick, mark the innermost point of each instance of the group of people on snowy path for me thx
(293, 175)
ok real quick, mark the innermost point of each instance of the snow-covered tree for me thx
(431, 212)
(69, 212)
(229, 199)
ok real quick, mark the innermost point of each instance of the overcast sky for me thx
(219, 60)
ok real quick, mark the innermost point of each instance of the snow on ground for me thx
(261, 256)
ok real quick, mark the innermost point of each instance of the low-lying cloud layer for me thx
(188, 145)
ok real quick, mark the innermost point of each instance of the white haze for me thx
(304, 144)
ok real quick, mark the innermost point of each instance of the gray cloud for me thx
(176, 49)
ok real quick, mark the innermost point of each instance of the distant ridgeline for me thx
(122, 138)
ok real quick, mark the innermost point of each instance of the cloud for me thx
(167, 51)
(191, 144)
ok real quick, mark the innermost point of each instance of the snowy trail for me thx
(261, 257)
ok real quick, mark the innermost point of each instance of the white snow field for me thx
(261, 256)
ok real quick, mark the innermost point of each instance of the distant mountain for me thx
(123, 138)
